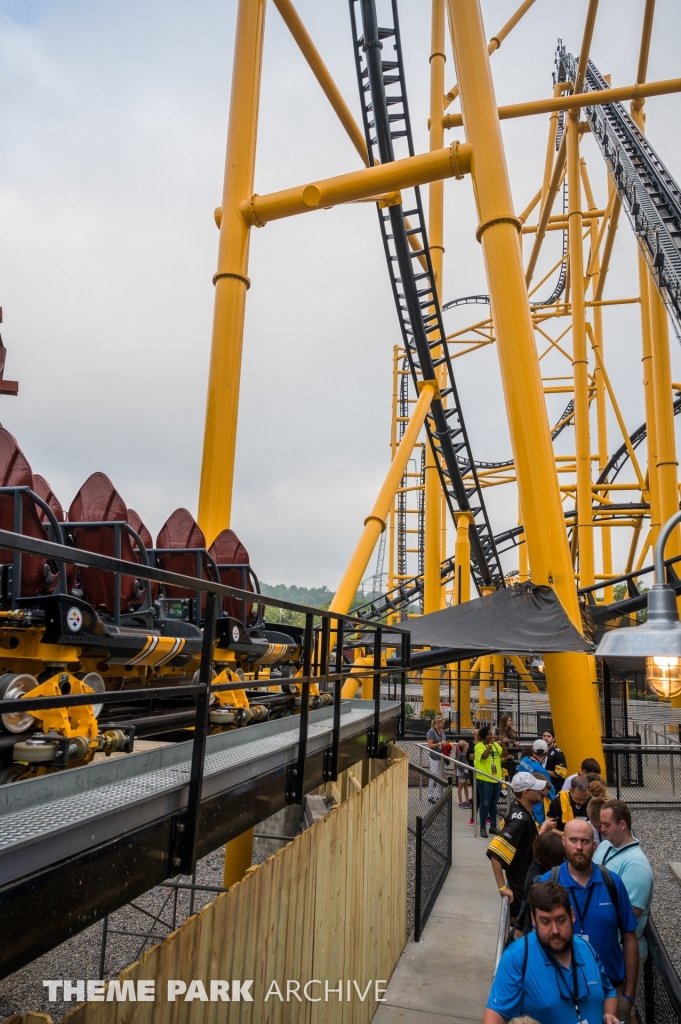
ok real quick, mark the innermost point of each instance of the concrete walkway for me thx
(447, 975)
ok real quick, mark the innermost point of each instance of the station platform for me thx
(447, 975)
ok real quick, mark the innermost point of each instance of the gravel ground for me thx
(660, 835)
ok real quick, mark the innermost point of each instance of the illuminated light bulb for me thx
(664, 676)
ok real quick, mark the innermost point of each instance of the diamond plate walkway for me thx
(445, 978)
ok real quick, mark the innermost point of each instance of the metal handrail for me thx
(670, 980)
(472, 769)
(504, 928)
(185, 846)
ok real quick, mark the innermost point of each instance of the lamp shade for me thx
(659, 637)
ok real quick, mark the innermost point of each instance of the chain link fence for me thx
(643, 775)
(429, 836)
(432, 832)
(659, 995)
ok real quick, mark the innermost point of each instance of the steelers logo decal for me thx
(74, 619)
(235, 634)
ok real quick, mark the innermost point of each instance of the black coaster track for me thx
(385, 114)
(650, 196)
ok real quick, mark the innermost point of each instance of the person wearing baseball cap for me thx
(511, 849)
(533, 762)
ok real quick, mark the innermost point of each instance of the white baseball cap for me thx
(523, 781)
(540, 746)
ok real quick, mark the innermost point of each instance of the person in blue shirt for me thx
(552, 975)
(621, 853)
(532, 763)
(601, 917)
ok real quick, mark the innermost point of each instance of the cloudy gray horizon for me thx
(113, 126)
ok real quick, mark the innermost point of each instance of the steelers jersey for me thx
(555, 762)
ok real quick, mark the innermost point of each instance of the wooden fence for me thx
(329, 909)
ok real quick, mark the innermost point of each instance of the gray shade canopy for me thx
(522, 619)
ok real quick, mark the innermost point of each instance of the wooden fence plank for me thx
(331, 905)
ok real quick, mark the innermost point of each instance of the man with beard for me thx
(602, 910)
(552, 975)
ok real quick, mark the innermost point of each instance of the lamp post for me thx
(659, 639)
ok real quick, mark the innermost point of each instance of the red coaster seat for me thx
(99, 501)
(227, 549)
(181, 531)
(36, 577)
(44, 491)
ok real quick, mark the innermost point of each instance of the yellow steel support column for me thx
(498, 671)
(601, 411)
(523, 568)
(231, 280)
(432, 584)
(667, 462)
(374, 524)
(568, 675)
(431, 569)
(462, 558)
(238, 857)
(645, 285)
(580, 363)
(462, 593)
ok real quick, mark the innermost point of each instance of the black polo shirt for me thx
(513, 848)
(555, 762)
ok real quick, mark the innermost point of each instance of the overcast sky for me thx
(113, 121)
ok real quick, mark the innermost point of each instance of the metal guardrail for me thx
(433, 855)
(504, 929)
(659, 997)
(473, 772)
(317, 649)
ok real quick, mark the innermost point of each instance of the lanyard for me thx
(614, 850)
(574, 994)
(581, 914)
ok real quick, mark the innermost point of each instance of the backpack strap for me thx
(555, 873)
(526, 954)
(612, 890)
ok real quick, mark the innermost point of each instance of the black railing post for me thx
(458, 697)
(117, 576)
(405, 655)
(16, 558)
(418, 869)
(496, 680)
(376, 731)
(331, 761)
(649, 990)
(607, 699)
(199, 574)
(298, 770)
(325, 652)
(186, 862)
